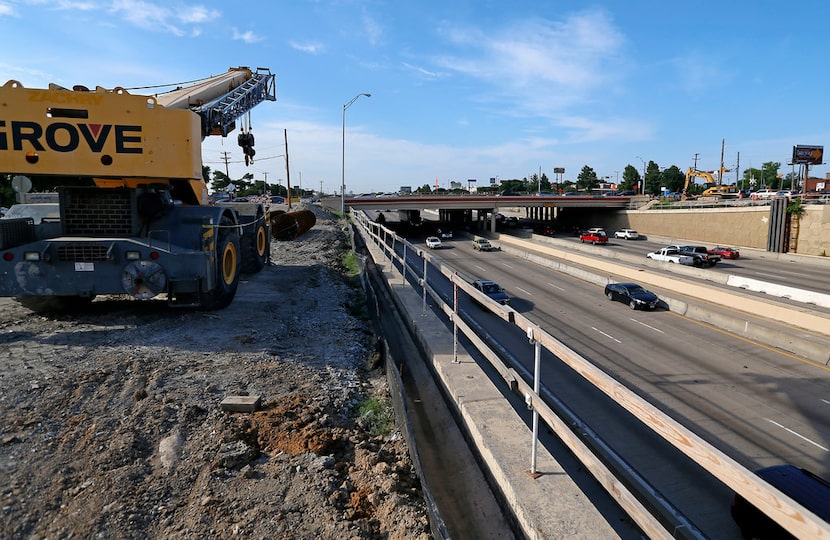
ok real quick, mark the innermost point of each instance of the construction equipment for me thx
(722, 191)
(691, 174)
(134, 212)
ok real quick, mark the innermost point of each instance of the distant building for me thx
(818, 184)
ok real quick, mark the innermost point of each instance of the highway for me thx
(753, 264)
(757, 404)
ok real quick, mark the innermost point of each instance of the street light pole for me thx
(643, 188)
(343, 155)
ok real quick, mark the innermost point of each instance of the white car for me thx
(763, 194)
(433, 242)
(627, 234)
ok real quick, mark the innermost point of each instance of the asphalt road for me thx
(757, 404)
(752, 264)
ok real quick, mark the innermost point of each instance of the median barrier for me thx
(800, 340)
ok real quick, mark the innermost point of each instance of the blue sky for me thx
(460, 89)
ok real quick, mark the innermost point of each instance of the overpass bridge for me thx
(459, 208)
(485, 203)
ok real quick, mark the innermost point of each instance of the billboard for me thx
(813, 155)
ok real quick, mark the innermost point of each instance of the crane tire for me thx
(256, 247)
(227, 266)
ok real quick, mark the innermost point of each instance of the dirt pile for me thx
(111, 425)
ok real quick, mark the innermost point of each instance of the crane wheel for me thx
(256, 247)
(227, 266)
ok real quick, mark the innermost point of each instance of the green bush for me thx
(377, 415)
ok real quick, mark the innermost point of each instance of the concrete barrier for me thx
(788, 328)
(781, 291)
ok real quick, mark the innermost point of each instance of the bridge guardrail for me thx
(789, 514)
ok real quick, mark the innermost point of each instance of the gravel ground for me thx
(111, 425)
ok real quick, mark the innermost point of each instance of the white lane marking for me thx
(481, 268)
(606, 335)
(556, 286)
(792, 273)
(648, 326)
(825, 402)
(524, 291)
(507, 265)
(773, 422)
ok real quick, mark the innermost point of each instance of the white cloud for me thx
(372, 29)
(423, 71)
(247, 37)
(572, 56)
(155, 17)
(311, 48)
(6, 10)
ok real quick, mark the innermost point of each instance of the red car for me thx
(725, 252)
(594, 236)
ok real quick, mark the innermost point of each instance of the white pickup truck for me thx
(671, 255)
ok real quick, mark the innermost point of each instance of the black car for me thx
(492, 290)
(632, 294)
(802, 486)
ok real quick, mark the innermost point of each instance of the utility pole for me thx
(226, 157)
(738, 169)
(287, 174)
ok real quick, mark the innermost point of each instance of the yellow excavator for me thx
(134, 212)
(711, 187)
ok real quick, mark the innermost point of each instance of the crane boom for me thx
(222, 99)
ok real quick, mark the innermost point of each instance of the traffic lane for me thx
(745, 269)
(711, 374)
(702, 498)
(789, 273)
(694, 396)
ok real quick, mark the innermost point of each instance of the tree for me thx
(425, 189)
(767, 176)
(517, 186)
(770, 171)
(631, 179)
(673, 179)
(220, 181)
(587, 179)
(652, 179)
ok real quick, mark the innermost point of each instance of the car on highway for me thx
(633, 294)
(671, 255)
(545, 230)
(701, 255)
(594, 236)
(433, 242)
(725, 252)
(482, 244)
(627, 234)
(804, 487)
(763, 194)
(493, 291)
